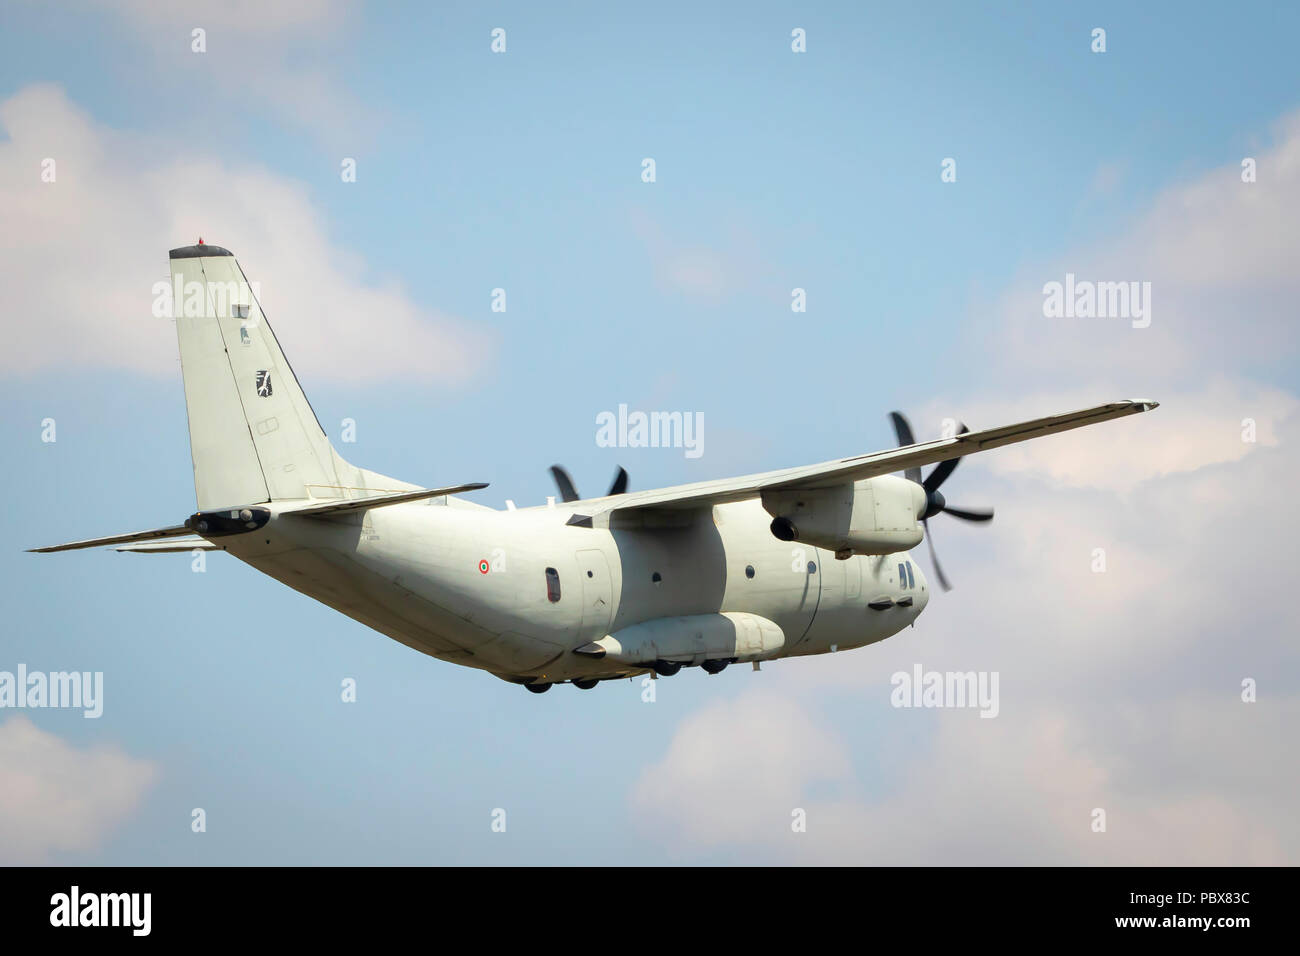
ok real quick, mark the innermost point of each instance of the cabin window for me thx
(749, 571)
(552, 585)
(812, 567)
(656, 577)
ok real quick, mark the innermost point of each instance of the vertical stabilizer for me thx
(253, 434)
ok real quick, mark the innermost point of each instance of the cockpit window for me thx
(902, 575)
(552, 585)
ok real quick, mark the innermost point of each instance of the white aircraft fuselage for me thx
(470, 585)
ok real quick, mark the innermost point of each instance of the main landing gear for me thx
(661, 669)
(669, 668)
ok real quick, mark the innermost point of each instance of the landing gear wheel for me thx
(715, 667)
(585, 683)
(538, 688)
(666, 668)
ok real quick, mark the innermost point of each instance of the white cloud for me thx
(1185, 782)
(58, 798)
(90, 246)
(1219, 255)
(1024, 791)
(1217, 230)
(735, 771)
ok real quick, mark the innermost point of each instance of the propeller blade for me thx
(943, 471)
(903, 430)
(969, 514)
(934, 559)
(564, 483)
(620, 482)
(935, 503)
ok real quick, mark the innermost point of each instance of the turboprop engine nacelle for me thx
(691, 639)
(874, 516)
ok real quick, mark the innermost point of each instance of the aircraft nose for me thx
(922, 588)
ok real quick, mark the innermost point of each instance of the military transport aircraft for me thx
(805, 560)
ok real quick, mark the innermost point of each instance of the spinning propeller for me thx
(935, 501)
(570, 493)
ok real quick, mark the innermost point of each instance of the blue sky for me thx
(775, 170)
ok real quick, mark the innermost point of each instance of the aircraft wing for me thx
(828, 474)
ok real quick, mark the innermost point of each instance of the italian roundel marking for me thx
(484, 567)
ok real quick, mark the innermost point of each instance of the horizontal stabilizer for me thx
(344, 505)
(153, 535)
(171, 546)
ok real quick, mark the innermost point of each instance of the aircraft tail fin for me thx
(253, 435)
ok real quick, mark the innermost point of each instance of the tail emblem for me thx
(264, 383)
